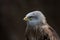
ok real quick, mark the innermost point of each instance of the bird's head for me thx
(34, 18)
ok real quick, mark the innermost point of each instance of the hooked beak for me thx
(25, 18)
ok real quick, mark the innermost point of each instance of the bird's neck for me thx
(39, 26)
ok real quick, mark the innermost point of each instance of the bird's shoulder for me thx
(51, 32)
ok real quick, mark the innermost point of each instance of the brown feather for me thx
(41, 32)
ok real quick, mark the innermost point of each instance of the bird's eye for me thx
(31, 17)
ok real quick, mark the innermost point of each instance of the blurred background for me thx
(13, 11)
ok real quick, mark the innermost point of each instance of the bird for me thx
(37, 27)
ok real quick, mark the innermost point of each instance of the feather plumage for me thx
(40, 30)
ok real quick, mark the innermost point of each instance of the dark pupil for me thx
(31, 17)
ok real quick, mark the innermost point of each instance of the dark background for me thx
(13, 11)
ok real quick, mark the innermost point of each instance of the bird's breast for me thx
(35, 34)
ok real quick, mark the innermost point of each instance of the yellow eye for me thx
(30, 18)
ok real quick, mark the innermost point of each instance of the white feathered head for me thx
(35, 17)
